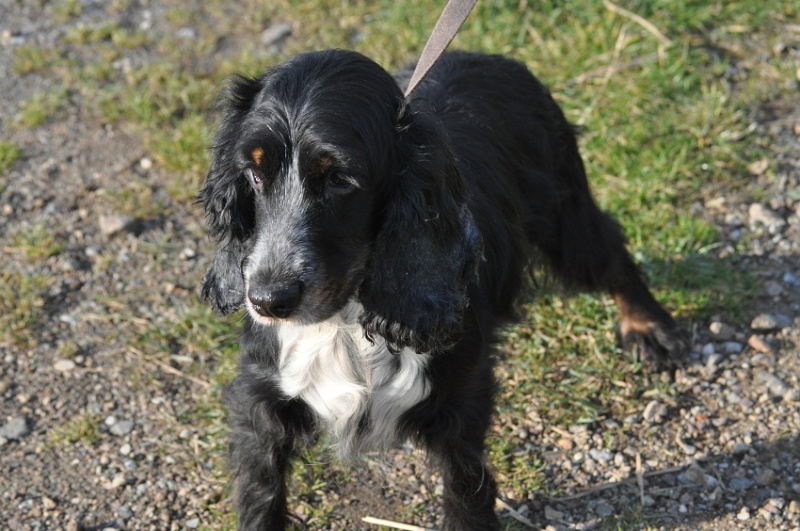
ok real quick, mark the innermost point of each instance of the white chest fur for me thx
(358, 389)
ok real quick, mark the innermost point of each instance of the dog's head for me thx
(326, 185)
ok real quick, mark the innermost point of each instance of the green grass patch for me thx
(21, 307)
(84, 429)
(42, 107)
(36, 243)
(29, 59)
(9, 154)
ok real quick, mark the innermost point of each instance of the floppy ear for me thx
(228, 202)
(428, 248)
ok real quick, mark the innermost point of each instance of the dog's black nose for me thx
(278, 301)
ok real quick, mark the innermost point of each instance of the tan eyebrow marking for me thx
(258, 155)
(324, 164)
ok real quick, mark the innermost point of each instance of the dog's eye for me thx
(340, 182)
(254, 176)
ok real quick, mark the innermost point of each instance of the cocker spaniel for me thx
(377, 242)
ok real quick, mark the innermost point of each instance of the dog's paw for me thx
(659, 346)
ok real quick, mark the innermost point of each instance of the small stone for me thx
(48, 504)
(123, 427)
(186, 33)
(145, 163)
(112, 224)
(778, 387)
(766, 477)
(276, 34)
(790, 279)
(761, 214)
(604, 509)
(125, 449)
(552, 514)
(64, 365)
(118, 481)
(740, 448)
(732, 347)
(193, 523)
(187, 253)
(110, 420)
(767, 322)
(758, 167)
(793, 507)
(759, 344)
(15, 429)
(744, 514)
(741, 483)
(654, 411)
(602, 455)
(125, 512)
(721, 331)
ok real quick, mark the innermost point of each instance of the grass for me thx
(664, 125)
(83, 429)
(9, 154)
(21, 307)
(43, 106)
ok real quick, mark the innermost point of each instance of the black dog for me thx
(377, 243)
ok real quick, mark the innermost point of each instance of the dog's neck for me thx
(359, 389)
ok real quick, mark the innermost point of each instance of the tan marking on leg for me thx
(632, 321)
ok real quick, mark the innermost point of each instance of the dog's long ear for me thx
(428, 248)
(228, 202)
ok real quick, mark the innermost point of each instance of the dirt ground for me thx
(95, 434)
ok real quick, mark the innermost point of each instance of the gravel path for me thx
(95, 434)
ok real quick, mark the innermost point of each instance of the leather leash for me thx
(450, 21)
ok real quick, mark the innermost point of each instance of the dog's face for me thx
(325, 186)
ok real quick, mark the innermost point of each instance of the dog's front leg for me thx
(264, 429)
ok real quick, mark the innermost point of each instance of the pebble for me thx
(732, 347)
(602, 455)
(122, 427)
(145, 163)
(118, 481)
(604, 509)
(110, 225)
(768, 322)
(15, 429)
(125, 512)
(48, 504)
(654, 411)
(778, 387)
(761, 214)
(766, 477)
(791, 280)
(744, 514)
(721, 331)
(759, 344)
(125, 449)
(275, 34)
(64, 365)
(193, 523)
(741, 483)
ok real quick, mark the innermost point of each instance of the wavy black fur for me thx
(426, 212)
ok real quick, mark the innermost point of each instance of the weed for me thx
(21, 307)
(29, 59)
(83, 429)
(36, 243)
(9, 154)
(43, 106)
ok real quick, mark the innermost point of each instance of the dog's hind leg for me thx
(587, 248)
